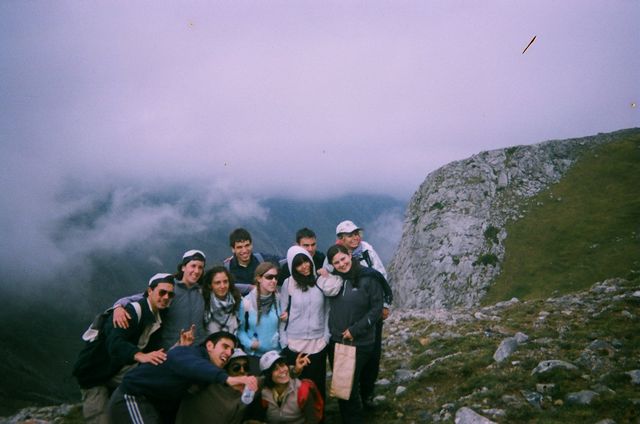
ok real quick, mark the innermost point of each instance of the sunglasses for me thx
(237, 366)
(163, 293)
(270, 276)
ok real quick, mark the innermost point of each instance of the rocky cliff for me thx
(452, 242)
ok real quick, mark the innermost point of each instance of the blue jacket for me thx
(267, 331)
(168, 382)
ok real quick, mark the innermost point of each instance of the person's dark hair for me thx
(179, 273)
(238, 235)
(304, 282)
(206, 286)
(168, 279)
(333, 251)
(354, 272)
(215, 338)
(268, 379)
(304, 233)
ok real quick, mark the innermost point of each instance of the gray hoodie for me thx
(309, 310)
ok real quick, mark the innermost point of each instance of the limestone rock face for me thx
(452, 242)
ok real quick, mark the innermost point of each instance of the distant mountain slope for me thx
(453, 242)
(43, 319)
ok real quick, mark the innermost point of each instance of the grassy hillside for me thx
(584, 229)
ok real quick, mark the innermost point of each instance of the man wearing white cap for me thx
(350, 236)
(113, 351)
(185, 317)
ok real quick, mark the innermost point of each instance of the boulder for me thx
(466, 415)
(551, 364)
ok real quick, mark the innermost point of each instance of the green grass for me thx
(584, 229)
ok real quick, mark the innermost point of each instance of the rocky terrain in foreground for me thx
(566, 359)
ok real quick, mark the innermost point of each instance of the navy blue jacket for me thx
(168, 382)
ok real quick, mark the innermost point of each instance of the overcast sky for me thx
(298, 97)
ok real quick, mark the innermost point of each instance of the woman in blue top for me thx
(260, 316)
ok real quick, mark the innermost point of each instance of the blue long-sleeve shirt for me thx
(168, 382)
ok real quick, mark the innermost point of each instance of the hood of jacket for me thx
(292, 252)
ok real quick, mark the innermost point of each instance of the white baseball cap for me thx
(346, 227)
(268, 359)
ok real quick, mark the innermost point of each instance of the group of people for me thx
(244, 341)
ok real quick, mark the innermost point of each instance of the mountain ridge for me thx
(452, 246)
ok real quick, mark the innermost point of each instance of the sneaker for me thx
(368, 403)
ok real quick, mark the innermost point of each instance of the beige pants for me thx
(96, 399)
(94, 405)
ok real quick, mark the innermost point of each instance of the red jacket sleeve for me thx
(310, 402)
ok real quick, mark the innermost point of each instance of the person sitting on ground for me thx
(187, 309)
(243, 263)
(152, 394)
(260, 316)
(306, 239)
(287, 399)
(221, 300)
(104, 361)
(222, 403)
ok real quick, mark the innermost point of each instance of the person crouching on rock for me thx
(104, 360)
(287, 399)
(152, 394)
(221, 403)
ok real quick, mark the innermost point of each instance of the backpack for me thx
(93, 332)
(93, 356)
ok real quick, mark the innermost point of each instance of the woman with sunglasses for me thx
(352, 320)
(260, 316)
(221, 300)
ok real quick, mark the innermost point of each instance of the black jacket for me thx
(103, 358)
(358, 307)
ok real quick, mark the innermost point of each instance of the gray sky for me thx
(302, 98)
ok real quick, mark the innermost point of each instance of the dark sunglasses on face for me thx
(237, 366)
(163, 293)
(270, 276)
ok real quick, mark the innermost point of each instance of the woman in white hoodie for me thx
(306, 330)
